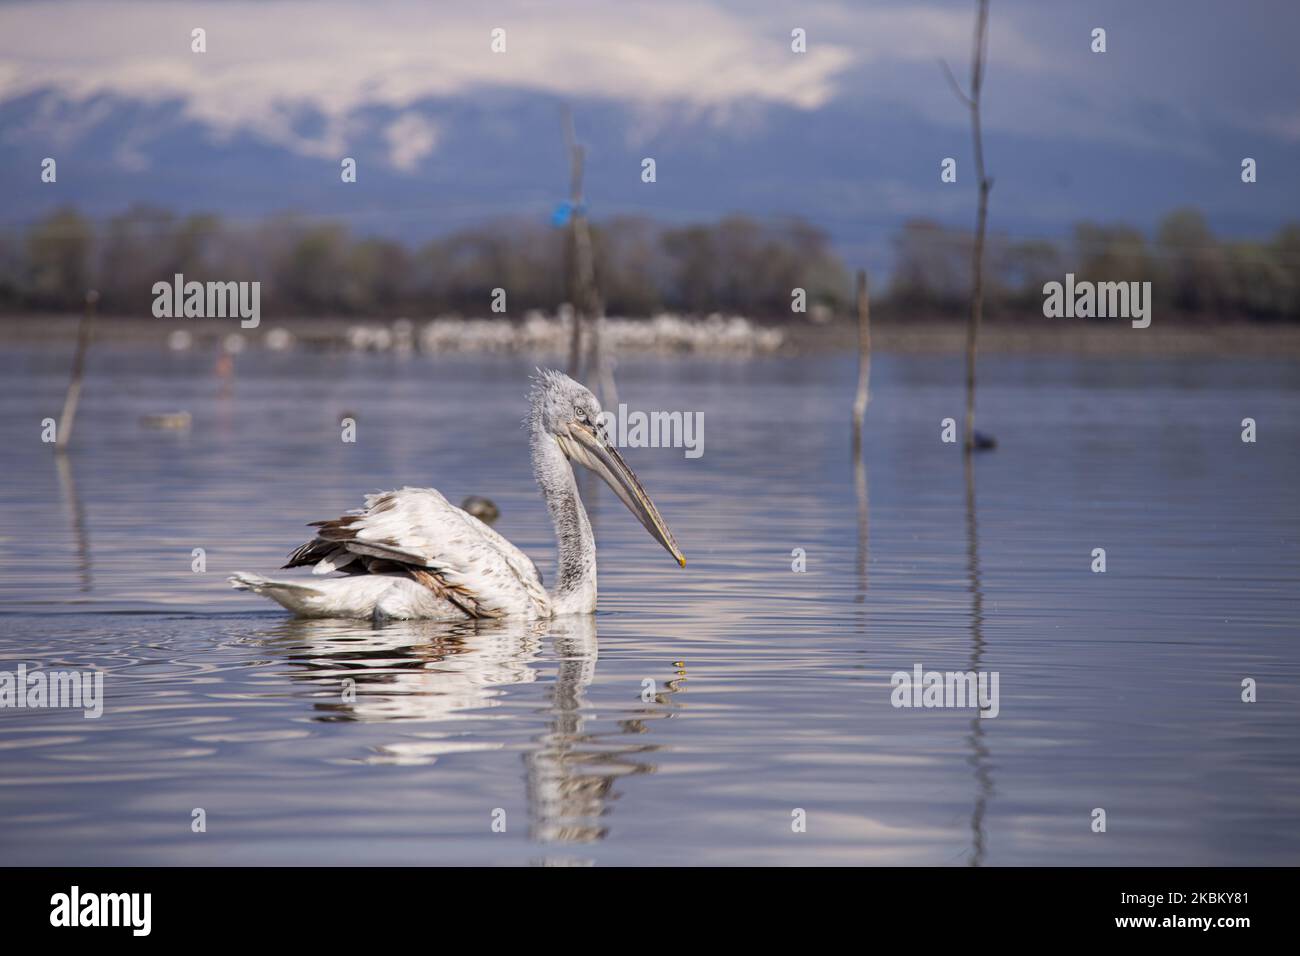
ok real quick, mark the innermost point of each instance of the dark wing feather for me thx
(341, 542)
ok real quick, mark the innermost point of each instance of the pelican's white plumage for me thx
(410, 553)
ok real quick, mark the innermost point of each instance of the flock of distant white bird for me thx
(535, 333)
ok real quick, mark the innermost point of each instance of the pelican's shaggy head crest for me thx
(563, 411)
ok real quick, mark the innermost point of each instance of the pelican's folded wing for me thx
(419, 532)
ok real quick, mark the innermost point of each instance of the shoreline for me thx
(927, 337)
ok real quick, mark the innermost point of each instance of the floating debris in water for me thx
(170, 421)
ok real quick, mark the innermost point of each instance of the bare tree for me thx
(972, 103)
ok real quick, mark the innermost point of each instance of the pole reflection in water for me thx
(76, 515)
(438, 672)
(864, 527)
(979, 753)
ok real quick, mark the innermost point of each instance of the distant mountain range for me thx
(851, 142)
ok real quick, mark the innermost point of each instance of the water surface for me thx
(690, 718)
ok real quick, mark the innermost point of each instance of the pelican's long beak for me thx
(588, 448)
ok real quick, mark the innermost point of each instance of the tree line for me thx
(1192, 272)
(735, 265)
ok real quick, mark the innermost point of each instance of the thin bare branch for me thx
(956, 89)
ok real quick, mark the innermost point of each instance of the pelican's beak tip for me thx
(681, 560)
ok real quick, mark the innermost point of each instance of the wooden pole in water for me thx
(864, 361)
(984, 183)
(589, 309)
(579, 241)
(84, 329)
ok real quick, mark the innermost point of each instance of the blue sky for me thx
(849, 135)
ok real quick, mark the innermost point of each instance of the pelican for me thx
(412, 554)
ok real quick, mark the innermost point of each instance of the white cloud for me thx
(270, 65)
(410, 138)
(297, 72)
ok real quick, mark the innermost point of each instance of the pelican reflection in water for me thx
(412, 554)
(436, 673)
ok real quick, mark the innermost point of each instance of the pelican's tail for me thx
(355, 596)
(299, 598)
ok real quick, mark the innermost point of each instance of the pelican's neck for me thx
(575, 583)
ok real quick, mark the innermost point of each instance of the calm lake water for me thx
(771, 689)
